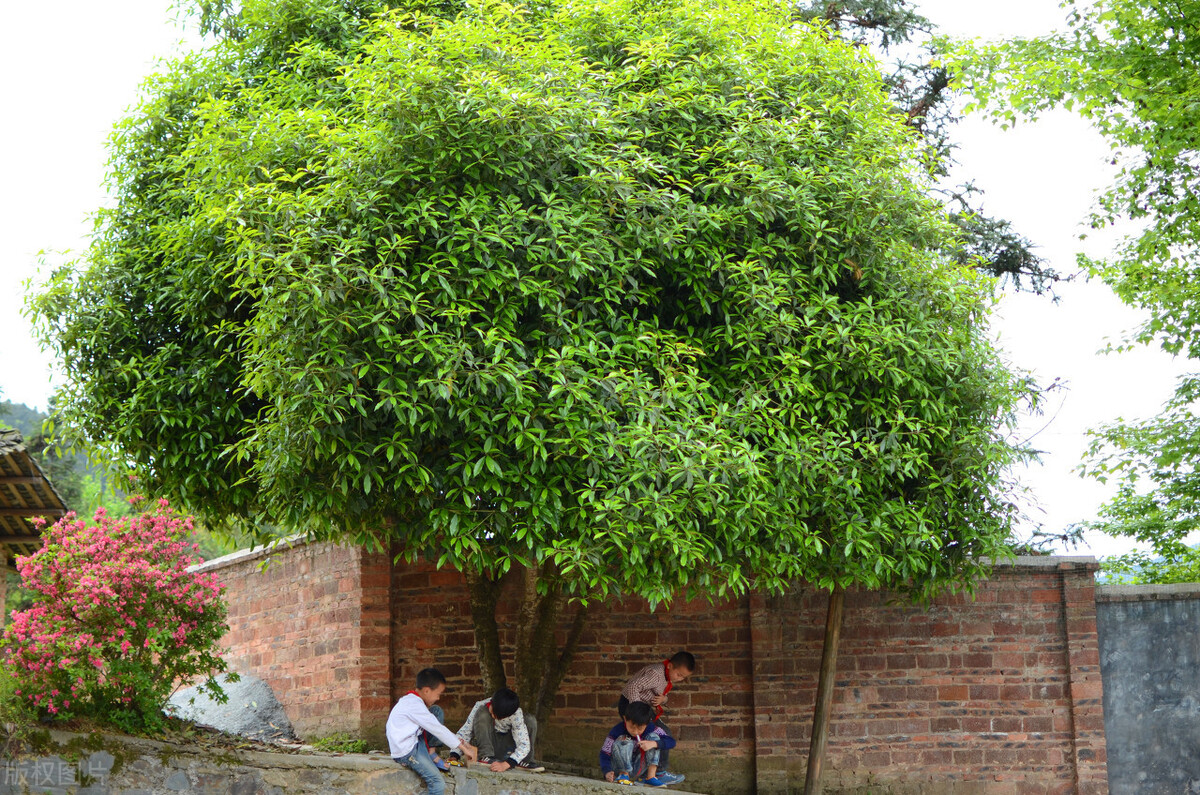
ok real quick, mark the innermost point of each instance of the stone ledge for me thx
(254, 553)
(115, 763)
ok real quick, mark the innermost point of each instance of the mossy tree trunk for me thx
(541, 654)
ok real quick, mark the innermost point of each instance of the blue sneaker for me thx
(668, 778)
(653, 782)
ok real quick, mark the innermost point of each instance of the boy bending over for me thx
(414, 721)
(631, 750)
(503, 733)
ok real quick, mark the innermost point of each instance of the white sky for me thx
(72, 83)
(71, 77)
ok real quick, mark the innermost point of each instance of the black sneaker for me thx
(487, 760)
(529, 766)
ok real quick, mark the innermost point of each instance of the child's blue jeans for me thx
(628, 758)
(420, 762)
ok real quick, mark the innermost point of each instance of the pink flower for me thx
(97, 584)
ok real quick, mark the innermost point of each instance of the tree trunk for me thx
(820, 730)
(540, 664)
(485, 593)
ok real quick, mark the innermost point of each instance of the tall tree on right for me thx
(1130, 67)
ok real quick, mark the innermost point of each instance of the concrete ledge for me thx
(1147, 593)
(1056, 562)
(82, 764)
(254, 553)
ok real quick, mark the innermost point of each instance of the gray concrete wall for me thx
(1150, 664)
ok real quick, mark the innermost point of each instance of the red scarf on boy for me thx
(658, 710)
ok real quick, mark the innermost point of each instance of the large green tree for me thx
(1132, 67)
(623, 297)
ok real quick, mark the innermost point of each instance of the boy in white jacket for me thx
(412, 718)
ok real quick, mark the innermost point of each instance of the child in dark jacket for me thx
(630, 751)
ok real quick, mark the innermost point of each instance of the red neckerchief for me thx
(658, 710)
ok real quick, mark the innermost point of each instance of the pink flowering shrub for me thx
(118, 621)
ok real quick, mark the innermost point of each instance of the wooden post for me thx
(820, 728)
(3, 586)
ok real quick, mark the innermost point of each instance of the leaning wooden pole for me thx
(820, 728)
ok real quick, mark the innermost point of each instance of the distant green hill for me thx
(17, 415)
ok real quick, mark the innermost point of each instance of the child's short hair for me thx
(504, 703)
(685, 660)
(429, 677)
(639, 713)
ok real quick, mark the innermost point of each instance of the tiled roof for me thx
(25, 492)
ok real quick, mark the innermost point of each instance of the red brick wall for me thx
(999, 694)
(314, 622)
(1000, 691)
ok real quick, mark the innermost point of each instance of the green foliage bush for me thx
(16, 718)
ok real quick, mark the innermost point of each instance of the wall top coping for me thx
(1035, 562)
(1147, 593)
(254, 553)
(1054, 562)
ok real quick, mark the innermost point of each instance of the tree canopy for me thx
(911, 55)
(652, 294)
(1130, 67)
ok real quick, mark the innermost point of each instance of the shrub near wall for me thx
(117, 619)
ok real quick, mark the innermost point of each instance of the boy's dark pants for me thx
(500, 745)
(662, 752)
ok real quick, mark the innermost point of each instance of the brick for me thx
(953, 693)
